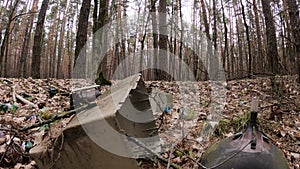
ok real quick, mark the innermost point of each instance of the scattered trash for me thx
(27, 145)
(52, 91)
(31, 119)
(35, 91)
(243, 102)
(44, 127)
(7, 107)
(167, 110)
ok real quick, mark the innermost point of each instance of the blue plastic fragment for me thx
(167, 110)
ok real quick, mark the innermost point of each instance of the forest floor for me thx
(279, 117)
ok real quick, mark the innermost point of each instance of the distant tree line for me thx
(45, 38)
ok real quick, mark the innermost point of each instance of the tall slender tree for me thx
(175, 46)
(163, 37)
(4, 44)
(288, 48)
(61, 39)
(225, 51)
(240, 37)
(81, 39)
(25, 45)
(272, 52)
(258, 37)
(214, 39)
(248, 40)
(38, 41)
(100, 17)
(155, 36)
(2, 18)
(295, 29)
(210, 59)
(195, 59)
(181, 56)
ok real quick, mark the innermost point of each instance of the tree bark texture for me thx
(38, 41)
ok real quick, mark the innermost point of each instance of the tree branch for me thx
(27, 13)
(57, 117)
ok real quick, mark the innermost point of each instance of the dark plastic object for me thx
(246, 150)
(52, 91)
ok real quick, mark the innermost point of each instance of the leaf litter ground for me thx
(279, 117)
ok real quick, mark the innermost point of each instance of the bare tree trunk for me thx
(175, 71)
(52, 45)
(99, 41)
(271, 38)
(61, 39)
(248, 41)
(38, 41)
(2, 18)
(70, 49)
(54, 57)
(209, 56)
(259, 41)
(231, 47)
(150, 58)
(289, 52)
(181, 57)
(13, 50)
(295, 28)
(282, 49)
(195, 60)
(215, 26)
(116, 60)
(240, 45)
(44, 64)
(163, 38)
(103, 12)
(142, 39)
(225, 52)
(123, 47)
(27, 37)
(4, 45)
(155, 38)
(95, 16)
(81, 38)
